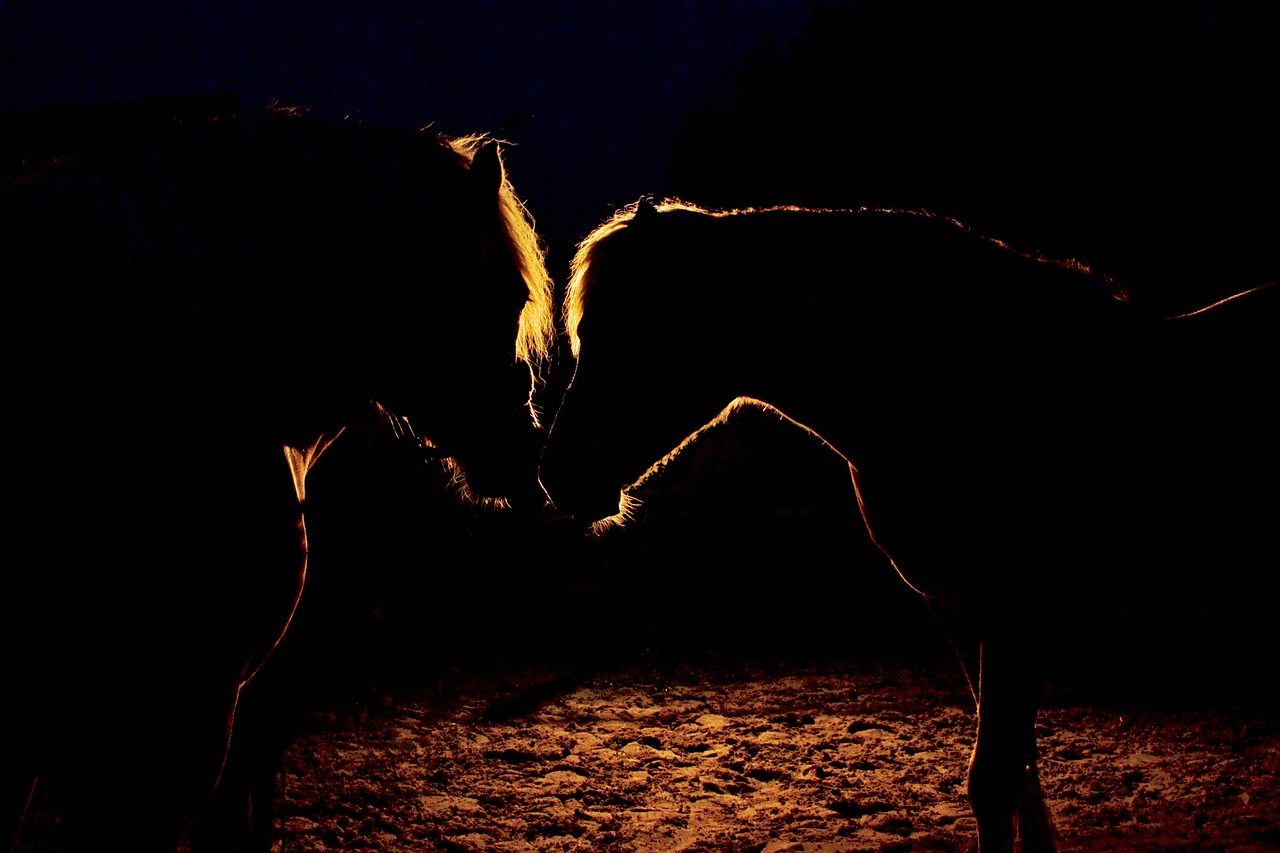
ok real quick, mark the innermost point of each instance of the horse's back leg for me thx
(1035, 824)
(1003, 782)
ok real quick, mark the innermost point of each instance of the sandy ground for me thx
(762, 756)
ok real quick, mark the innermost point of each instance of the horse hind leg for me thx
(1003, 779)
(1035, 830)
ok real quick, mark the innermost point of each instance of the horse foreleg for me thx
(1003, 783)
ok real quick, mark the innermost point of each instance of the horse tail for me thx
(1244, 294)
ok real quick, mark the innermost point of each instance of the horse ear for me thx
(645, 208)
(487, 171)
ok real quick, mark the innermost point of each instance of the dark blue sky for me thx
(590, 92)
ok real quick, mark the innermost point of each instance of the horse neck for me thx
(806, 371)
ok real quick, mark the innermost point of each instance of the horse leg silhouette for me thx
(1003, 779)
(1035, 825)
(997, 649)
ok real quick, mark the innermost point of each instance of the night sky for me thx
(1134, 134)
(591, 93)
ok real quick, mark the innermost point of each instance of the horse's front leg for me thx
(1004, 789)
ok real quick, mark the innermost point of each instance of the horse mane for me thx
(537, 331)
(596, 246)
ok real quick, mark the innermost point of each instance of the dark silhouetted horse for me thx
(197, 310)
(1027, 443)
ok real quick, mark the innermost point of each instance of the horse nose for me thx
(546, 493)
(507, 469)
(549, 480)
(577, 494)
(528, 494)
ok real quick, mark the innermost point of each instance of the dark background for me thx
(590, 93)
(1137, 136)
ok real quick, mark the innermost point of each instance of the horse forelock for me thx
(536, 332)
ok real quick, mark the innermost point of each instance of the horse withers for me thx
(201, 306)
(1029, 446)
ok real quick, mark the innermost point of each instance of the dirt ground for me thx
(760, 756)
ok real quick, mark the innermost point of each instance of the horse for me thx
(1027, 441)
(203, 305)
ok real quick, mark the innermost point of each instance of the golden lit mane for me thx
(537, 321)
(594, 247)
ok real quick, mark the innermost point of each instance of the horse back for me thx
(1030, 417)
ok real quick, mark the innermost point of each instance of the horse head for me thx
(390, 267)
(621, 412)
(460, 360)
